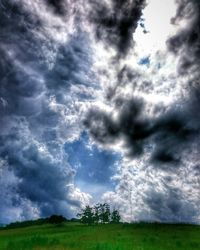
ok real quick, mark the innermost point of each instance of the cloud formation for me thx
(37, 72)
(168, 133)
(116, 22)
(68, 66)
(158, 139)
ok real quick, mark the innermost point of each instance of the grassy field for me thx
(74, 236)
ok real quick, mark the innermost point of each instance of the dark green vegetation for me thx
(54, 219)
(100, 213)
(76, 236)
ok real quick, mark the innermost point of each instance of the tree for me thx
(115, 216)
(100, 213)
(56, 219)
(87, 215)
(96, 213)
(106, 215)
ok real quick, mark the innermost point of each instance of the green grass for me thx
(74, 236)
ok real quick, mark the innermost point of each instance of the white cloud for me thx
(57, 84)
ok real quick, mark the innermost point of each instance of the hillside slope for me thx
(75, 236)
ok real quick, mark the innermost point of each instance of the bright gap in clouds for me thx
(154, 27)
(94, 167)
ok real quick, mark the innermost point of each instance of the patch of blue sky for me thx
(145, 61)
(94, 167)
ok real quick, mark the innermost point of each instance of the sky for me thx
(99, 102)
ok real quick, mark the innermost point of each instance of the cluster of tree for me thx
(100, 213)
(54, 219)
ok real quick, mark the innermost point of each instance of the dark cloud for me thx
(125, 75)
(170, 132)
(116, 24)
(186, 41)
(173, 131)
(170, 135)
(128, 76)
(33, 68)
(42, 178)
(101, 126)
(39, 66)
(71, 66)
(58, 6)
(170, 205)
(175, 127)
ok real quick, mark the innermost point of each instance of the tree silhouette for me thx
(106, 216)
(100, 213)
(87, 215)
(96, 213)
(56, 219)
(115, 216)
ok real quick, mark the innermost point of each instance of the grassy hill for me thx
(75, 236)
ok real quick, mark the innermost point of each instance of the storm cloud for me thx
(169, 133)
(69, 68)
(116, 22)
(36, 75)
(161, 137)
